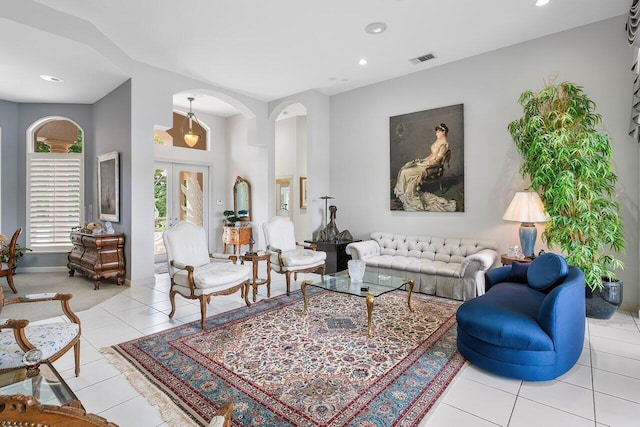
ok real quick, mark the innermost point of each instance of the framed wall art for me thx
(109, 187)
(427, 160)
(303, 192)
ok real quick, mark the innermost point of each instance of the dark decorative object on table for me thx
(331, 233)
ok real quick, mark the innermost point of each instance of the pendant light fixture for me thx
(191, 136)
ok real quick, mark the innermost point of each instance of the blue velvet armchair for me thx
(529, 324)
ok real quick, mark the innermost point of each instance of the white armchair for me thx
(195, 274)
(287, 255)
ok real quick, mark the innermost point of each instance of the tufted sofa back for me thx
(445, 249)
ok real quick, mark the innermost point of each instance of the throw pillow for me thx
(518, 273)
(546, 271)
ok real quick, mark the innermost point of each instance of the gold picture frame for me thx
(303, 192)
(109, 187)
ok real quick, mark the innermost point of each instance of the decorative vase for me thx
(356, 270)
(602, 304)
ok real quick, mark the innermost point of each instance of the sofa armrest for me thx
(496, 275)
(485, 259)
(363, 250)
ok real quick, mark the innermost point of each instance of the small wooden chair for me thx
(434, 173)
(8, 268)
(19, 410)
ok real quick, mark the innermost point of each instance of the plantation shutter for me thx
(54, 197)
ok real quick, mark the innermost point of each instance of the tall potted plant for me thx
(569, 164)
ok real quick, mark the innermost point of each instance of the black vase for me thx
(603, 303)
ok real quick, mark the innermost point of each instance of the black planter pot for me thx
(602, 304)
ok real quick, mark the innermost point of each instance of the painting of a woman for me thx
(408, 182)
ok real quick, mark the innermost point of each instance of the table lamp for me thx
(527, 208)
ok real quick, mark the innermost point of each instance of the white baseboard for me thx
(42, 269)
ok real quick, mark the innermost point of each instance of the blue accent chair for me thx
(529, 324)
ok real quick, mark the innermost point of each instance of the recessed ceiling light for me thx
(362, 62)
(52, 79)
(375, 28)
(541, 2)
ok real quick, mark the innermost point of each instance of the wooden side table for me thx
(507, 260)
(255, 260)
(236, 237)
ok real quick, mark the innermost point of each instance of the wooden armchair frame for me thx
(19, 325)
(20, 410)
(11, 267)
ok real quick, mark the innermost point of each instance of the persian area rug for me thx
(282, 368)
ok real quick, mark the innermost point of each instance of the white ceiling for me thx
(264, 49)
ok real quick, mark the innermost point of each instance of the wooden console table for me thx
(236, 236)
(98, 256)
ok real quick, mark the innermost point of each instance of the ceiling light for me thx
(50, 78)
(375, 28)
(362, 62)
(541, 2)
(191, 137)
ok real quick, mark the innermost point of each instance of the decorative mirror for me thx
(283, 197)
(242, 199)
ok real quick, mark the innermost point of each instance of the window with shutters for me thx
(55, 176)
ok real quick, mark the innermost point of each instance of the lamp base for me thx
(528, 234)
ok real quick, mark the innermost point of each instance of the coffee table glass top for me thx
(372, 284)
(46, 386)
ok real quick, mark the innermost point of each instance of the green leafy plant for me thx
(19, 253)
(230, 216)
(569, 164)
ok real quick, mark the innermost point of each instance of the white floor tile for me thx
(560, 395)
(106, 394)
(481, 400)
(448, 416)
(617, 364)
(579, 375)
(135, 412)
(474, 373)
(528, 413)
(616, 347)
(90, 374)
(630, 336)
(615, 412)
(617, 385)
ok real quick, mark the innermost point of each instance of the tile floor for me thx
(603, 389)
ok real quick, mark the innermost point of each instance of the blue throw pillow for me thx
(518, 273)
(546, 271)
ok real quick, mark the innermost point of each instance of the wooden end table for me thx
(255, 260)
(507, 260)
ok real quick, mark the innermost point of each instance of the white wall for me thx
(596, 57)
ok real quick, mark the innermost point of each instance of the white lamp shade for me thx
(526, 206)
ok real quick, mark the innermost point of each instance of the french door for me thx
(181, 194)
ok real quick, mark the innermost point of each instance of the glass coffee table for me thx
(372, 285)
(45, 384)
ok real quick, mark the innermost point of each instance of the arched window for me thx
(55, 177)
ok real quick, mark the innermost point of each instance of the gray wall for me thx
(596, 57)
(8, 157)
(112, 132)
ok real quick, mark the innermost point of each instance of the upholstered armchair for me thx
(195, 273)
(17, 336)
(287, 255)
(529, 324)
(8, 268)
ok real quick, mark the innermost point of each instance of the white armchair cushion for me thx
(50, 338)
(301, 258)
(211, 276)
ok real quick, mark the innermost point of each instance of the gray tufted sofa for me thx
(447, 267)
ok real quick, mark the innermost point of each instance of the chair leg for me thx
(172, 298)
(288, 275)
(245, 290)
(76, 356)
(10, 282)
(203, 309)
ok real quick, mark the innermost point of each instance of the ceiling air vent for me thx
(423, 58)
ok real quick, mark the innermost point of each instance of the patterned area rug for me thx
(281, 368)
